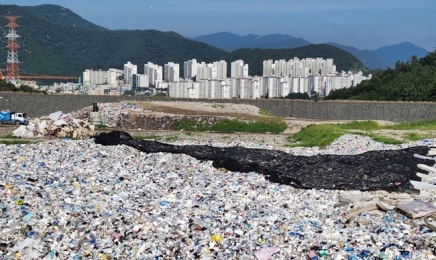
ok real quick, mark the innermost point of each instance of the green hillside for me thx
(51, 45)
(255, 57)
(60, 15)
(410, 81)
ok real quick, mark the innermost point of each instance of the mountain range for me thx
(380, 58)
(56, 41)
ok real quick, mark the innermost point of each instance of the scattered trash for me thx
(265, 253)
(56, 125)
(417, 209)
(63, 199)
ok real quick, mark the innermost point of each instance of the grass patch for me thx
(360, 125)
(12, 142)
(262, 125)
(146, 137)
(382, 139)
(172, 138)
(323, 134)
(10, 136)
(413, 136)
(101, 126)
(315, 135)
(217, 105)
(420, 125)
(265, 112)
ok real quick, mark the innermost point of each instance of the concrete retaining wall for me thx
(36, 105)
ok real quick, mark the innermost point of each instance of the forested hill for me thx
(410, 81)
(62, 16)
(255, 57)
(51, 45)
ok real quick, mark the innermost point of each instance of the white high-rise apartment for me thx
(221, 68)
(190, 68)
(238, 69)
(112, 76)
(268, 68)
(139, 81)
(154, 73)
(201, 71)
(171, 72)
(129, 70)
(280, 68)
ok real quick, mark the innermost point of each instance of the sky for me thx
(368, 24)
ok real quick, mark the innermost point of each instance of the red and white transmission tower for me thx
(12, 70)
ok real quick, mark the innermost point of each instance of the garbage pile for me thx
(112, 114)
(56, 125)
(74, 199)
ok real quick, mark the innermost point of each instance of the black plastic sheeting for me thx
(374, 170)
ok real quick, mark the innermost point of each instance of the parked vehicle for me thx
(7, 117)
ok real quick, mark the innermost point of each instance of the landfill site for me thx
(81, 191)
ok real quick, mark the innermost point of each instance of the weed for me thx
(382, 139)
(7, 142)
(265, 112)
(416, 137)
(420, 125)
(315, 135)
(101, 126)
(10, 136)
(172, 138)
(217, 105)
(146, 137)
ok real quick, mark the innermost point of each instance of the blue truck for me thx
(9, 118)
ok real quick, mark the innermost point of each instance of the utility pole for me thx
(12, 70)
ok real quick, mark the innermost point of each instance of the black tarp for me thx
(373, 170)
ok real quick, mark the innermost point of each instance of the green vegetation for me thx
(172, 138)
(9, 87)
(234, 125)
(10, 136)
(101, 126)
(129, 93)
(69, 45)
(298, 95)
(419, 125)
(160, 94)
(12, 142)
(413, 136)
(146, 137)
(409, 81)
(265, 112)
(323, 134)
(214, 105)
(60, 15)
(255, 57)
